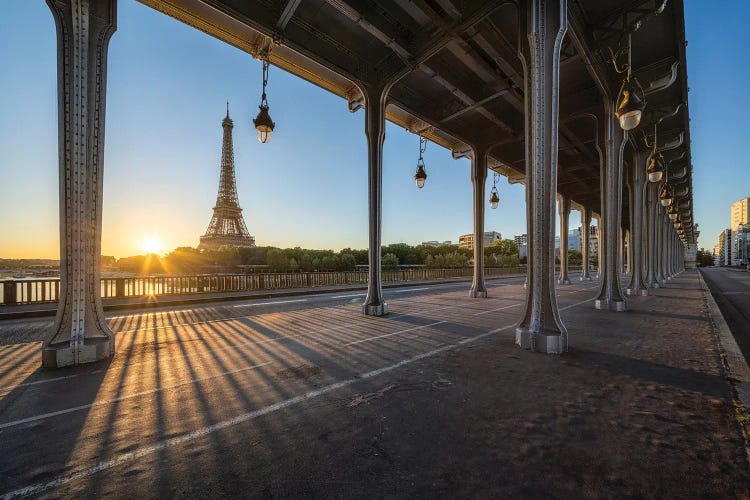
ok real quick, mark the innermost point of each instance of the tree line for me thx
(188, 260)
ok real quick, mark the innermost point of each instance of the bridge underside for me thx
(527, 89)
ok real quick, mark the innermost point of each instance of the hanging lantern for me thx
(655, 167)
(421, 175)
(494, 195)
(630, 104)
(666, 195)
(263, 123)
(673, 212)
(494, 198)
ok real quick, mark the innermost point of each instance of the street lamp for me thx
(673, 212)
(263, 123)
(494, 195)
(655, 167)
(666, 195)
(421, 175)
(630, 105)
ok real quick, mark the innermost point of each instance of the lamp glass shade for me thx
(421, 176)
(494, 199)
(630, 120)
(264, 125)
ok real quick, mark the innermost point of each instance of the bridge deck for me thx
(308, 397)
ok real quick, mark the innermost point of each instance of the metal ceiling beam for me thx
(287, 14)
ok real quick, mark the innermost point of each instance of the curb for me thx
(51, 311)
(736, 366)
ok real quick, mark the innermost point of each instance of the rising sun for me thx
(151, 244)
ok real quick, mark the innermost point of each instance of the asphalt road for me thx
(307, 398)
(731, 291)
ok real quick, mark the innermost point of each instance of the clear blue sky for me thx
(167, 86)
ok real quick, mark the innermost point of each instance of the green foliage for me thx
(277, 261)
(705, 258)
(502, 247)
(389, 262)
(575, 258)
(501, 253)
(453, 260)
(187, 260)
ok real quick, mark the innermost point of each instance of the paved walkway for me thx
(312, 399)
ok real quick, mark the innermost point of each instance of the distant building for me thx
(521, 241)
(467, 240)
(722, 250)
(594, 241)
(741, 245)
(739, 216)
(435, 243)
(574, 239)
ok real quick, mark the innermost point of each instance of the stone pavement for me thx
(434, 400)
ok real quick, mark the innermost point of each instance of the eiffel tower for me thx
(227, 226)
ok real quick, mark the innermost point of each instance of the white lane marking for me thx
(496, 309)
(399, 332)
(271, 303)
(346, 296)
(409, 290)
(210, 429)
(44, 416)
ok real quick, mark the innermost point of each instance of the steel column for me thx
(585, 237)
(651, 211)
(563, 207)
(637, 192)
(659, 244)
(598, 246)
(478, 178)
(375, 101)
(610, 296)
(543, 24)
(84, 27)
(626, 251)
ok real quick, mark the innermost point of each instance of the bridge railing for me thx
(47, 290)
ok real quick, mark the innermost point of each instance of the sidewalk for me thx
(640, 407)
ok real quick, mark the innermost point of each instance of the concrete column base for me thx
(640, 291)
(546, 342)
(564, 281)
(375, 309)
(615, 305)
(478, 294)
(93, 350)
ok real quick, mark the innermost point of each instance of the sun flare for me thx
(151, 244)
